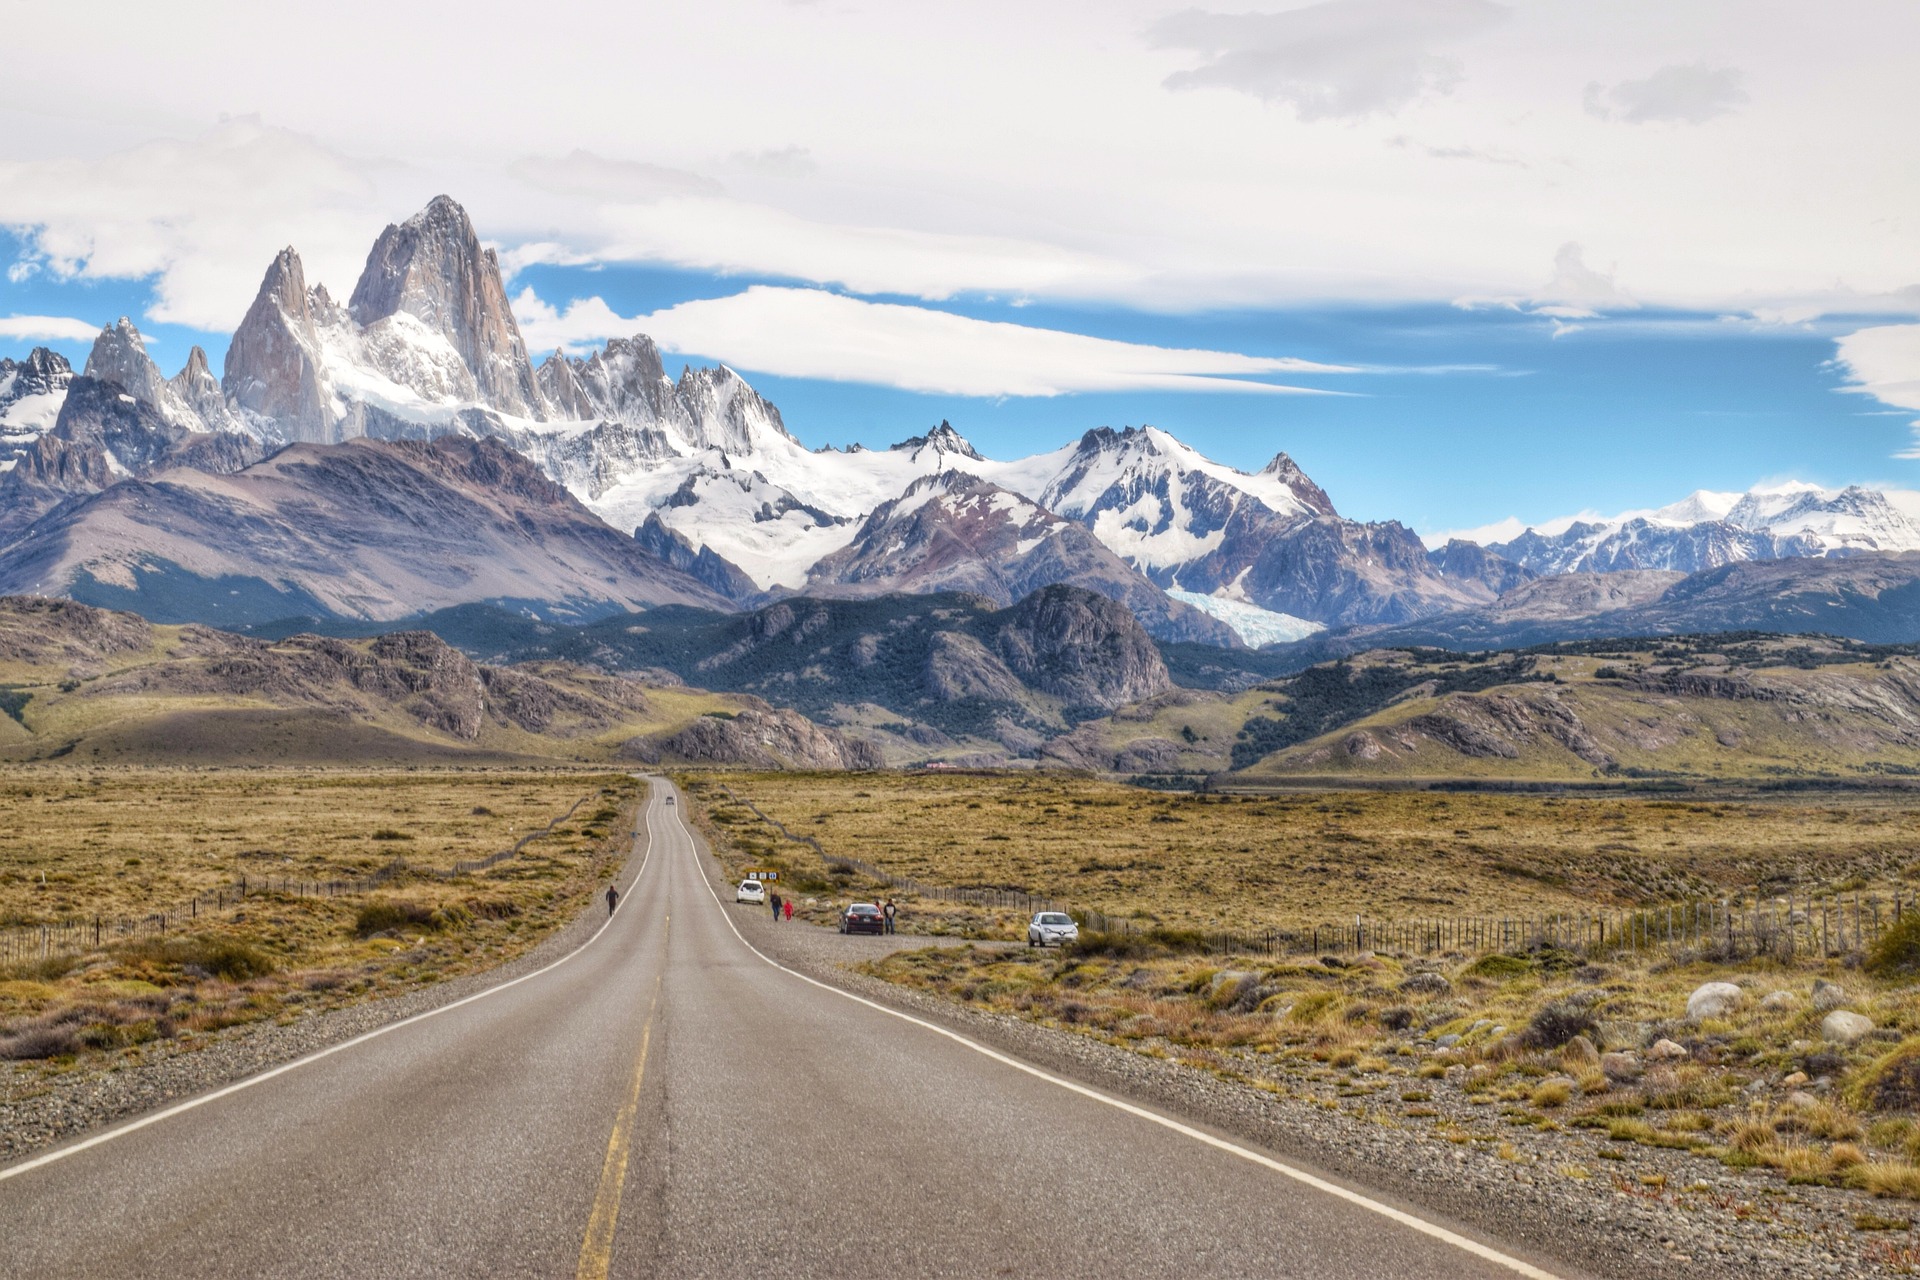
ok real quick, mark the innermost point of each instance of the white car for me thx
(1051, 928)
(751, 891)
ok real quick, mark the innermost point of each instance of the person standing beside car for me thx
(890, 911)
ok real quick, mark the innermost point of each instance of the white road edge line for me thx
(1405, 1219)
(131, 1126)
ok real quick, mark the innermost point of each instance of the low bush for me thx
(210, 956)
(383, 915)
(1556, 1024)
(1891, 1083)
(1499, 968)
(1898, 949)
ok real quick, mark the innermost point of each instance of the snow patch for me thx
(1257, 626)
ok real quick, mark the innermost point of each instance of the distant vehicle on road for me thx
(751, 891)
(1051, 928)
(669, 799)
(863, 917)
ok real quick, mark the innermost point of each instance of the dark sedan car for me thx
(863, 917)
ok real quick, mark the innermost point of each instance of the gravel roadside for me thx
(1636, 1211)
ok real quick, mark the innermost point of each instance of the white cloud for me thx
(1029, 151)
(1679, 94)
(1336, 59)
(734, 237)
(582, 173)
(47, 328)
(782, 162)
(1884, 362)
(203, 217)
(810, 333)
(1499, 531)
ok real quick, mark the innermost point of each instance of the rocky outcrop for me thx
(761, 737)
(276, 372)
(82, 641)
(1080, 647)
(119, 356)
(656, 539)
(432, 268)
(197, 389)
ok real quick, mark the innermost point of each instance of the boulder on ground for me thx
(1579, 1052)
(1427, 984)
(1778, 1001)
(1828, 996)
(1713, 1000)
(1843, 1026)
(1667, 1051)
(1620, 1066)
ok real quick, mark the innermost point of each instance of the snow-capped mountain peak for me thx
(1708, 529)
(943, 439)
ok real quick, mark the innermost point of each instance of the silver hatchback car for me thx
(1051, 928)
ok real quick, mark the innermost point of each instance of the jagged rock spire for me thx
(433, 268)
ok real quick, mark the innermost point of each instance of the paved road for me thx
(667, 1102)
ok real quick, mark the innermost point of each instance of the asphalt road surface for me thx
(665, 1101)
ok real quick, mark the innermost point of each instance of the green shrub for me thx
(1500, 968)
(1898, 949)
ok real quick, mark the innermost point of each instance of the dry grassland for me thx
(1251, 862)
(130, 843)
(1470, 1049)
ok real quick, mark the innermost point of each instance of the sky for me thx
(1463, 260)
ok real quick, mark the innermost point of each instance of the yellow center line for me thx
(596, 1250)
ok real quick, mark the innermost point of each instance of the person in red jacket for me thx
(787, 907)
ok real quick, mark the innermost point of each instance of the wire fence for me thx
(27, 944)
(1784, 925)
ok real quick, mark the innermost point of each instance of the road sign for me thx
(763, 875)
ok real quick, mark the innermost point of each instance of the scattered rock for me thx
(1845, 1027)
(1447, 1042)
(1828, 996)
(1779, 1000)
(1623, 1067)
(1800, 1099)
(1580, 1051)
(1713, 1000)
(1794, 1081)
(1667, 1051)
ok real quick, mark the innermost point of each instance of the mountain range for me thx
(400, 452)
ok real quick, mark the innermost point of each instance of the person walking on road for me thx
(773, 900)
(890, 911)
(613, 899)
(787, 908)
